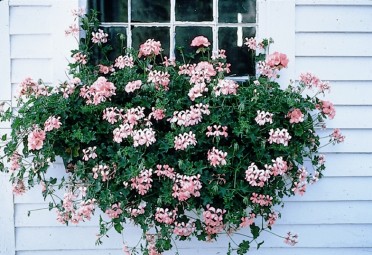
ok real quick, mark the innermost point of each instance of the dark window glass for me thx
(242, 11)
(150, 11)
(141, 34)
(184, 36)
(232, 40)
(194, 10)
(118, 42)
(118, 39)
(110, 11)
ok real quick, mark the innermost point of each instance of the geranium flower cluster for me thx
(213, 219)
(74, 212)
(190, 117)
(142, 183)
(98, 92)
(182, 141)
(185, 187)
(279, 136)
(29, 87)
(173, 145)
(165, 216)
(217, 157)
(184, 229)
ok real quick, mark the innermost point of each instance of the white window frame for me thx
(275, 19)
(173, 23)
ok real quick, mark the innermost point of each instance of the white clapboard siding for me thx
(34, 68)
(26, 19)
(331, 39)
(334, 44)
(214, 251)
(323, 212)
(341, 68)
(333, 18)
(356, 141)
(23, 46)
(350, 92)
(352, 117)
(356, 235)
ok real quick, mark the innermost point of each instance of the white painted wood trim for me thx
(5, 52)
(276, 19)
(333, 2)
(62, 45)
(30, 2)
(7, 236)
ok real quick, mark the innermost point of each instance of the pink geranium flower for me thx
(200, 41)
(296, 116)
(36, 139)
(52, 123)
(150, 47)
(278, 60)
(327, 108)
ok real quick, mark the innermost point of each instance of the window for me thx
(176, 22)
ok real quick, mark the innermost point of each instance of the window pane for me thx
(184, 36)
(110, 11)
(194, 10)
(150, 11)
(232, 40)
(118, 41)
(141, 34)
(237, 11)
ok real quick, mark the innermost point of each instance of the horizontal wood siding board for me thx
(337, 189)
(350, 92)
(305, 212)
(327, 189)
(351, 18)
(30, 20)
(339, 165)
(355, 141)
(31, 46)
(70, 238)
(34, 68)
(30, 3)
(351, 117)
(334, 44)
(336, 68)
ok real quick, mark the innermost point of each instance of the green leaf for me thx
(118, 227)
(4, 137)
(243, 247)
(259, 244)
(255, 231)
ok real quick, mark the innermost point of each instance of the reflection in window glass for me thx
(110, 11)
(150, 11)
(184, 36)
(141, 34)
(193, 10)
(232, 40)
(118, 41)
(192, 18)
(237, 11)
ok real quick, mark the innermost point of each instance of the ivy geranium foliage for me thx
(173, 146)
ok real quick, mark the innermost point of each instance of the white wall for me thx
(331, 38)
